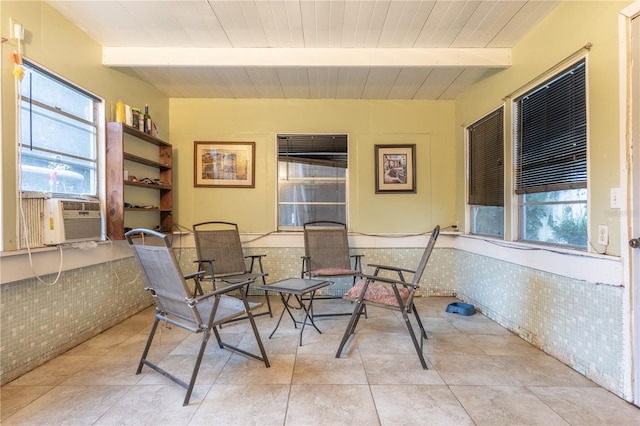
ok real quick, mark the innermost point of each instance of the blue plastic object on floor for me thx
(465, 309)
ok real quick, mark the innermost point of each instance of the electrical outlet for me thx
(603, 235)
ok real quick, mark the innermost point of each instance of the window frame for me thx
(573, 184)
(94, 155)
(482, 167)
(320, 180)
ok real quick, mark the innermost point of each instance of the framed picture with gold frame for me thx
(224, 164)
(395, 169)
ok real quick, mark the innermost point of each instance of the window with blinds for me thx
(486, 174)
(551, 134)
(312, 179)
(486, 160)
(550, 159)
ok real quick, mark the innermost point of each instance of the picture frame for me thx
(395, 169)
(224, 164)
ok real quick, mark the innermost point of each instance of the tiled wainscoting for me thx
(41, 321)
(578, 322)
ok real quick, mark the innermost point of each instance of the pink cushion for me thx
(378, 293)
(332, 272)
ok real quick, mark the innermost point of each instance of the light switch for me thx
(616, 203)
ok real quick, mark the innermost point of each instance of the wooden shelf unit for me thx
(120, 135)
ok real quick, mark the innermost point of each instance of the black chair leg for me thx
(196, 368)
(148, 345)
(417, 345)
(351, 327)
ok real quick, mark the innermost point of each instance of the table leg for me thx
(285, 304)
(307, 315)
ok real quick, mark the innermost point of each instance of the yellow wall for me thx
(428, 124)
(54, 43)
(434, 126)
(569, 27)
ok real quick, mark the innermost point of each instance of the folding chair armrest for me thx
(390, 268)
(223, 290)
(357, 261)
(194, 275)
(305, 265)
(255, 256)
(386, 280)
(201, 261)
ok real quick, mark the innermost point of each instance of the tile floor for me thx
(479, 373)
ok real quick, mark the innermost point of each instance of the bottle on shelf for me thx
(147, 120)
(120, 115)
(137, 117)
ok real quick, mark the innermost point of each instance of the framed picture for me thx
(224, 164)
(395, 168)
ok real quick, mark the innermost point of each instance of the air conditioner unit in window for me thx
(69, 221)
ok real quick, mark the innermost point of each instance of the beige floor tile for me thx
(98, 345)
(438, 326)
(418, 405)
(314, 343)
(154, 405)
(182, 367)
(107, 371)
(508, 344)
(384, 343)
(543, 370)
(326, 369)
(505, 405)
(241, 369)
(314, 404)
(478, 372)
(14, 398)
(472, 370)
(253, 404)
(56, 371)
(476, 324)
(399, 369)
(69, 405)
(450, 344)
(588, 406)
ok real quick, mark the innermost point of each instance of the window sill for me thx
(575, 264)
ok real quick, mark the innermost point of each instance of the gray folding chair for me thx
(326, 255)
(220, 255)
(175, 304)
(389, 293)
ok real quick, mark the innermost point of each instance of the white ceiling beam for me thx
(305, 57)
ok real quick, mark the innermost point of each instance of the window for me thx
(58, 143)
(486, 174)
(312, 179)
(551, 160)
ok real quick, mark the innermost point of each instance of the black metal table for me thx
(296, 287)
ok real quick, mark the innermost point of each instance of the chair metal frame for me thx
(220, 255)
(175, 305)
(405, 307)
(326, 255)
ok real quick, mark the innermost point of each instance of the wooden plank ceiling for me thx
(308, 49)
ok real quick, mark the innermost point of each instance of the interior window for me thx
(58, 135)
(486, 174)
(312, 179)
(550, 129)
